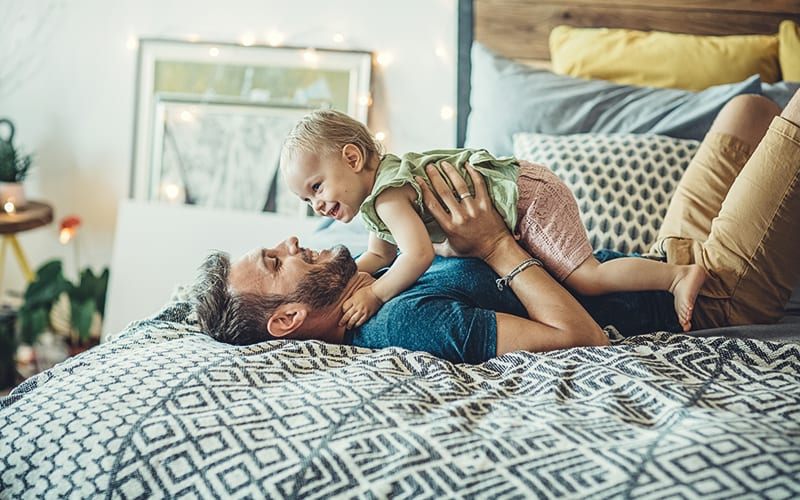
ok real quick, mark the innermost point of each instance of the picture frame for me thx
(224, 86)
(222, 155)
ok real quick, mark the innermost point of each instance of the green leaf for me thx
(47, 286)
(92, 287)
(50, 270)
(33, 321)
(82, 315)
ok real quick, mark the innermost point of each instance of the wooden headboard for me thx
(519, 29)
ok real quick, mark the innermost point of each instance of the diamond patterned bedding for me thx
(162, 410)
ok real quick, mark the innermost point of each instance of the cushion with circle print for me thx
(622, 182)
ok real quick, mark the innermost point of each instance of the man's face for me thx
(307, 276)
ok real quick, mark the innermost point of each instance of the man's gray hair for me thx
(231, 317)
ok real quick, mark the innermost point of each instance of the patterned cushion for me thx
(622, 182)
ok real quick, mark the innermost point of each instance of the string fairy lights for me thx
(274, 37)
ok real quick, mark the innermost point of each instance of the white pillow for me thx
(622, 182)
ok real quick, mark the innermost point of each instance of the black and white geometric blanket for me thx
(164, 411)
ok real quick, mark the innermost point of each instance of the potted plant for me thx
(52, 303)
(72, 310)
(8, 346)
(14, 167)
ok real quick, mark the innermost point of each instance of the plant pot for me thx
(12, 193)
(8, 346)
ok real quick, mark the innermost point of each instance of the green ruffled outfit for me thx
(500, 175)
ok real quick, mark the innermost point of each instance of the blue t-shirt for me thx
(450, 313)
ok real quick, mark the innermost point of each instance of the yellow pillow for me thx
(789, 50)
(659, 59)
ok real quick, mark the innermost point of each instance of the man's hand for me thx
(472, 225)
(360, 307)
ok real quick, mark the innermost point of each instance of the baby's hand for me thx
(360, 307)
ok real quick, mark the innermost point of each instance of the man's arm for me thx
(475, 229)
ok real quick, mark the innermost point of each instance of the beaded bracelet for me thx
(505, 280)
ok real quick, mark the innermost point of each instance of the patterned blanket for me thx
(163, 410)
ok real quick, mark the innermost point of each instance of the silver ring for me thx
(465, 196)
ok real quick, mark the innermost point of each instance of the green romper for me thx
(395, 171)
(533, 201)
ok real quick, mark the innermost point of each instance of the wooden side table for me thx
(35, 214)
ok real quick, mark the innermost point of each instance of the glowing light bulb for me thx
(441, 52)
(275, 38)
(213, 52)
(247, 39)
(172, 191)
(447, 113)
(68, 229)
(365, 100)
(65, 235)
(9, 206)
(384, 58)
(380, 136)
(338, 38)
(311, 57)
(187, 116)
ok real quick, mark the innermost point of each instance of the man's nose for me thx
(293, 245)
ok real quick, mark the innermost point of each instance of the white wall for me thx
(67, 80)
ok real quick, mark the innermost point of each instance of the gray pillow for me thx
(780, 92)
(509, 97)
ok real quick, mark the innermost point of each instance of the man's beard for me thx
(322, 287)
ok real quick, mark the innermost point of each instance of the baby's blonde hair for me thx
(327, 131)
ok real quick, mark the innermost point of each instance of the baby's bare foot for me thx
(685, 288)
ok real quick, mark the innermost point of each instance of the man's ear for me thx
(352, 155)
(287, 319)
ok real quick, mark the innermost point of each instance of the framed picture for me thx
(222, 155)
(211, 117)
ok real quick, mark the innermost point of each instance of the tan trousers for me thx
(738, 215)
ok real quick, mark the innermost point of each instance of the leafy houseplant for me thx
(86, 300)
(14, 165)
(8, 345)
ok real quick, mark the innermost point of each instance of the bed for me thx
(162, 410)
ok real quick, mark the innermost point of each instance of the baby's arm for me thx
(380, 253)
(395, 206)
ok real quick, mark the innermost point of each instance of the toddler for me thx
(331, 161)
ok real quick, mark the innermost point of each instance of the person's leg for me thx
(630, 274)
(751, 249)
(733, 136)
(550, 228)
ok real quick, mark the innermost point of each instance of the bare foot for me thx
(685, 287)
